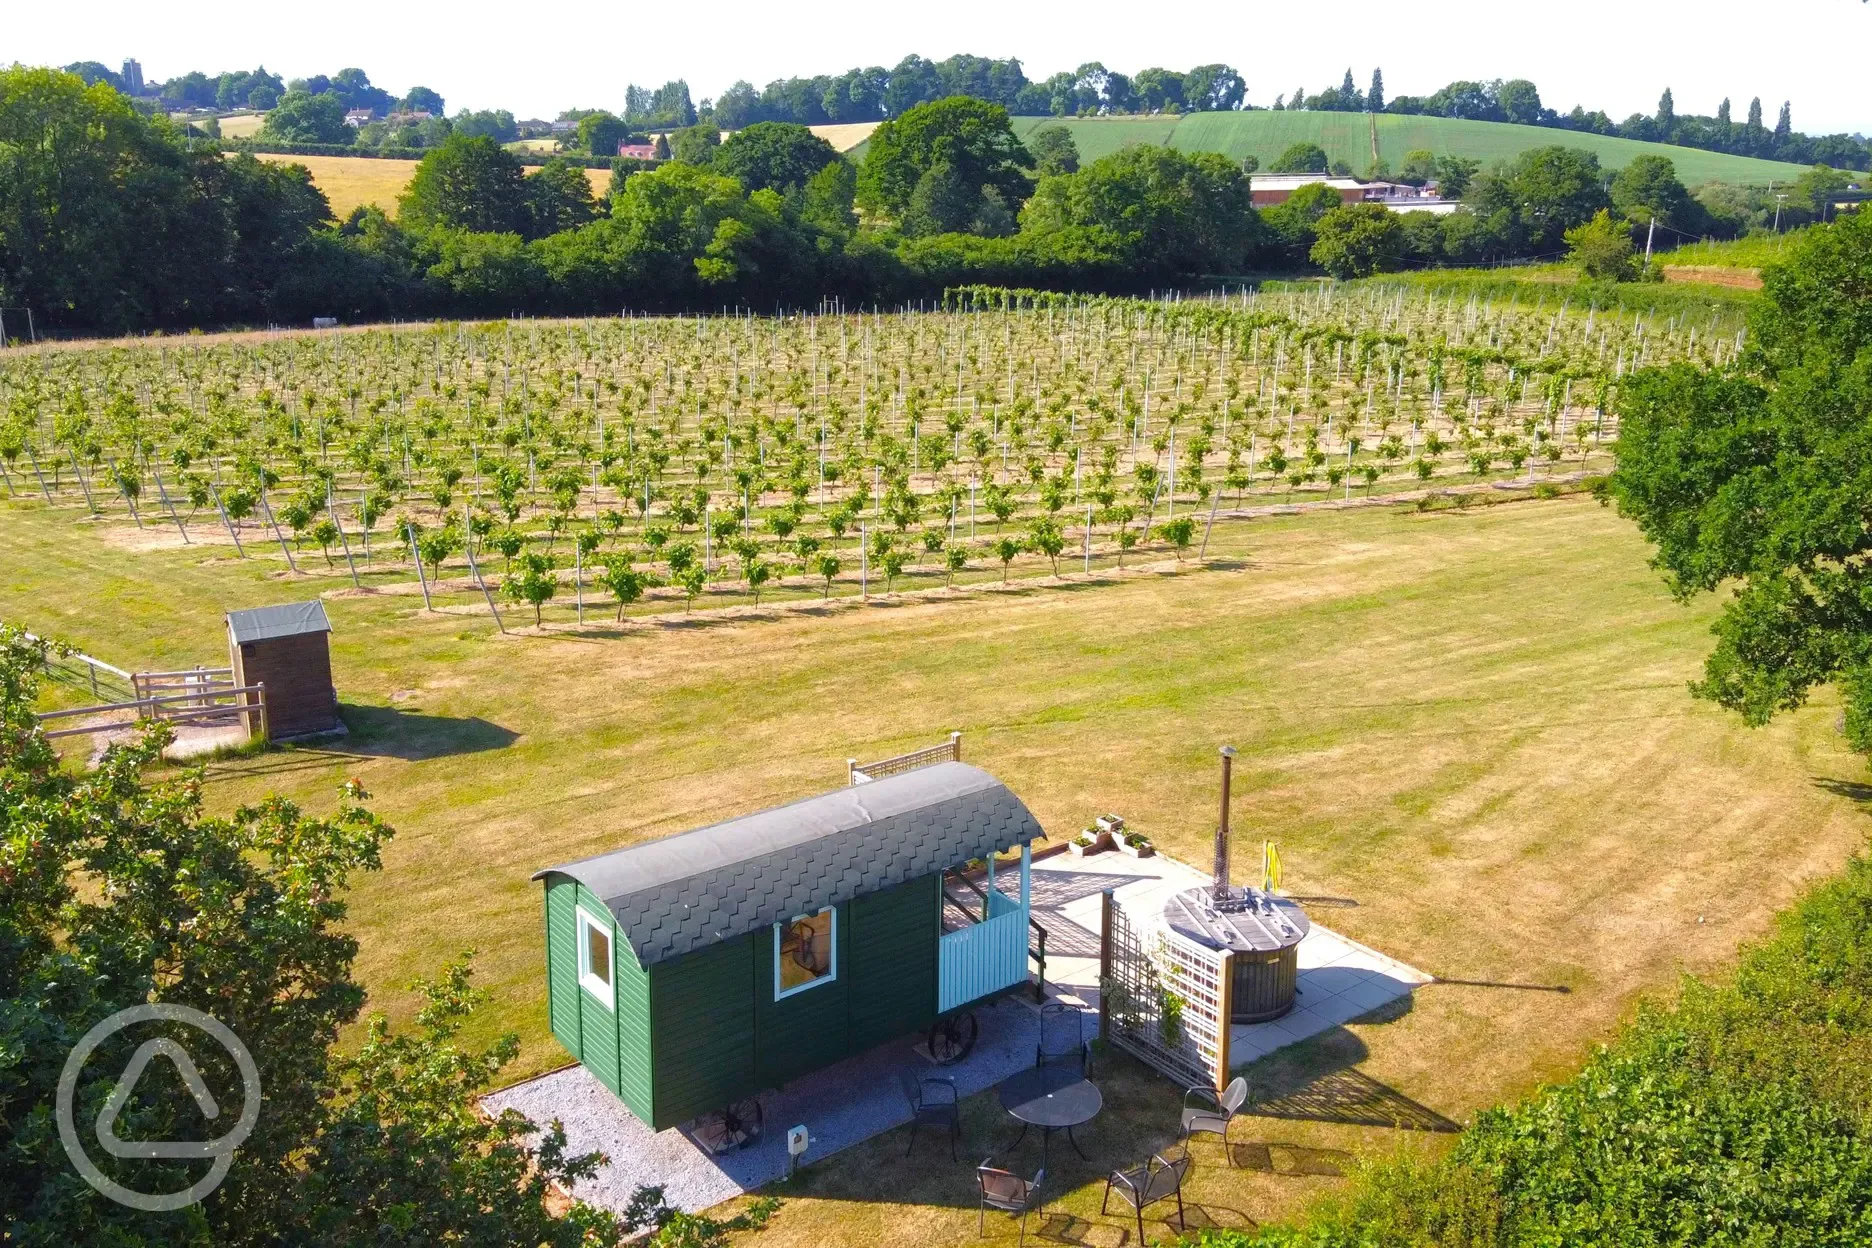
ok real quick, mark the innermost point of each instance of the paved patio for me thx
(1339, 978)
(858, 1098)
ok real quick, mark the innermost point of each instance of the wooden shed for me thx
(287, 649)
(695, 971)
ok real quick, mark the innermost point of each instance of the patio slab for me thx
(1339, 979)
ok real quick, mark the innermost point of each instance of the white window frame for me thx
(605, 992)
(781, 994)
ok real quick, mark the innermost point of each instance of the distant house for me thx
(637, 151)
(1268, 189)
(563, 127)
(358, 118)
(409, 117)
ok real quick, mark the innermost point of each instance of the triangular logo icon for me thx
(126, 1086)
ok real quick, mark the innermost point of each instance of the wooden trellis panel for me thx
(1164, 999)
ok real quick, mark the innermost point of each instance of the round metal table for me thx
(1053, 1098)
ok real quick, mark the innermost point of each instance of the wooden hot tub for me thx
(1261, 930)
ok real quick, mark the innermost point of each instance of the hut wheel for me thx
(734, 1127)
(952, 1039)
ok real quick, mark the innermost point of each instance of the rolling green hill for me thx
(1351, 137)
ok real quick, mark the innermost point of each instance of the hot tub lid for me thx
(1251, 921)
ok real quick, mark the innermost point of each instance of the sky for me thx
(581, 53)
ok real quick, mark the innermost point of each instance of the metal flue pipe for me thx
(1219, 890)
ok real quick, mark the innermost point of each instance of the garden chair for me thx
(1062, 1038)
(933, 1103)
(1155, 1180)
(1213, 1113)
(1008, 1192)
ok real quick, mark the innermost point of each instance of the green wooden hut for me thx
(691, 973)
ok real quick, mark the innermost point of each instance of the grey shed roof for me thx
(684, 892)
(286, 620)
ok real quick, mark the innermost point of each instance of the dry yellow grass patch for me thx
(350, 181)
(847, 136)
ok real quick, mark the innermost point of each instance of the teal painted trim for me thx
(982, 959)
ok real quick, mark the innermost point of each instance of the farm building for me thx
(637, 151)
(693, 972)
(1267, 189)
(286, 648)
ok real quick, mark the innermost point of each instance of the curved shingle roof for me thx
(684, 892)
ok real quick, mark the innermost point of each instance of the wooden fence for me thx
(221, 704)
(1164, 998)
(949, 751)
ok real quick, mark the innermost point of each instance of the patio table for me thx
(1053, 1098)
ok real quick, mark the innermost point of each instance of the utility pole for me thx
(1650, 230)
(1778, 201)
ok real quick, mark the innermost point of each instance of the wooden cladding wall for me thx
(296, 671)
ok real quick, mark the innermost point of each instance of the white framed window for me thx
(805, 952)
(596, 955)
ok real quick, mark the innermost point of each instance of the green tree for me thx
(972, 137)
(558, 197)
(626, 583)
(1544, 193)
(827, 566)
(696, 144)
(1602, 248)
(774, 155)
(469, 184)
(600, 133)
(1302, 157)
(955, 559)
(1007, 550)
(1167, 211)
(1750, 477)
(1358, 240)
(1044, 537)
(116, 890)
(1647, 190)
(1054, 150)
(1179, 532)
(301, 117)
(534, 583)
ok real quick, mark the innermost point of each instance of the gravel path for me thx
(841, 1105)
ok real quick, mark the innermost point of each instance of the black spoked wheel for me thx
(952, 1039)
(737, 1126)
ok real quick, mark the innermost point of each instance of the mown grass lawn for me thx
(1469, 726)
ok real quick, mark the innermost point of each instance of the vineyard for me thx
(630, 466)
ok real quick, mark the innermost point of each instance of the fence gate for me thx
(1164, 999)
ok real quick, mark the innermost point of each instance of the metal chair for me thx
(1008, 1192)
(1055, 1047)
(1155, 1180)
(1213, 1113)
(933, 1103)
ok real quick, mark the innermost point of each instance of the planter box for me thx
(1110, 825)
(1136, 851)
(1100, 843)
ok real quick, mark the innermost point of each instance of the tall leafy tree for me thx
(774, 154)
(1756, 478)
(301, 117)
(469, 184)
(972, 138)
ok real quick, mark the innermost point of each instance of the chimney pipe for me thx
(1220, 889)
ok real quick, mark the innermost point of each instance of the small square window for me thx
(805, 952)
(595, 957)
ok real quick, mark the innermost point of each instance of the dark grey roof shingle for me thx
(682, 892)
